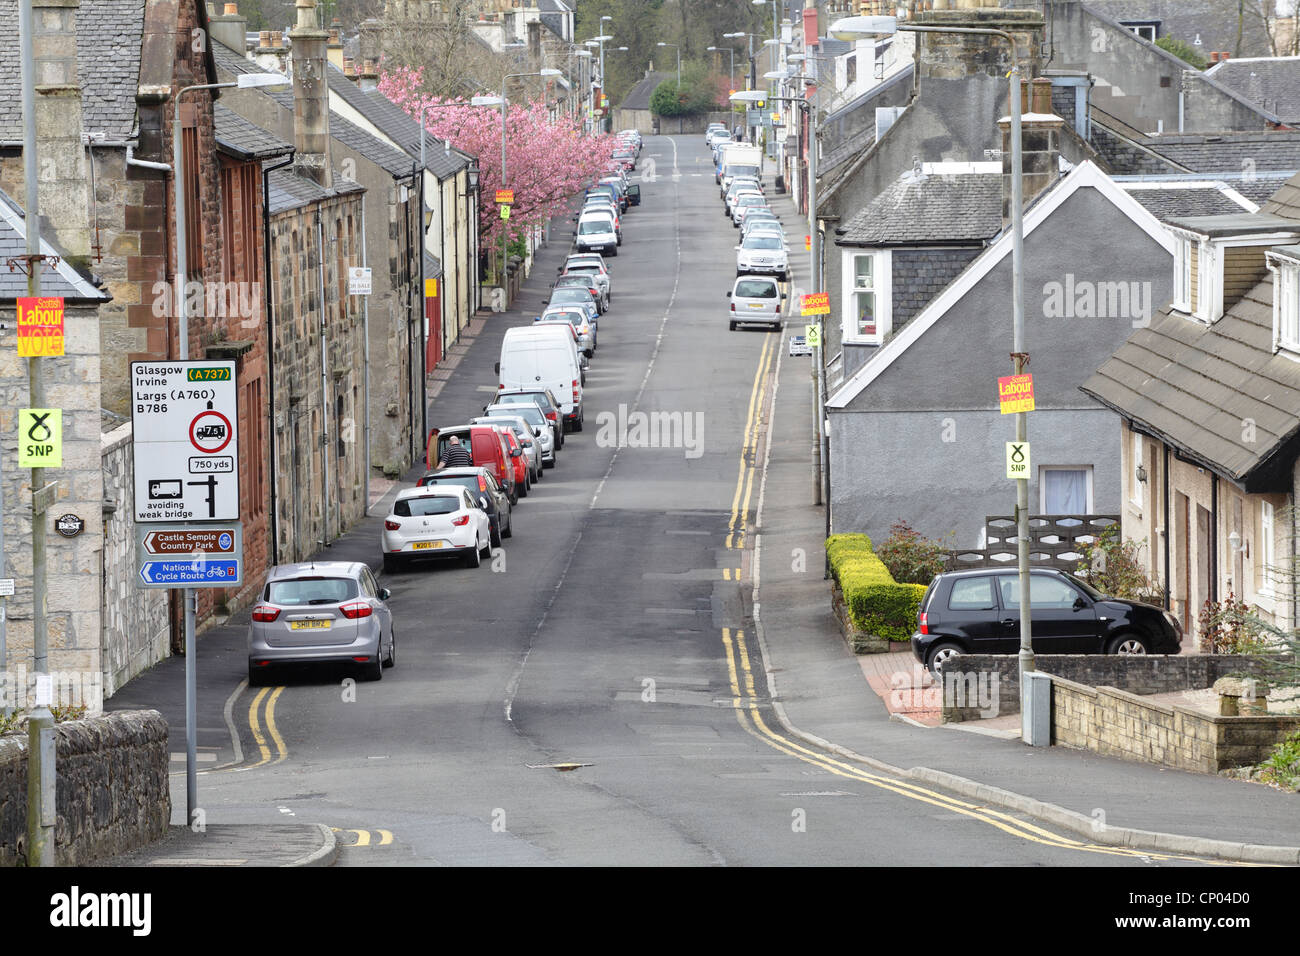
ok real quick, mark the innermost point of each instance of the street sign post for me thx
(185, 420)
(190, 556)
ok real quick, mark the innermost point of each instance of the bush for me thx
(1114, 567)
(877, 604)
(1184, 52)
(1283, 765)
(912, 559)
(1228, 627)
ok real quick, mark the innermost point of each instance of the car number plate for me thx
(421, 545)
(755, 305)
(309, 625)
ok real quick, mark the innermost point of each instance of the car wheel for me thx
(509, 532)
(472, 558)
(495, 534)
(487, 549)
(614, 251)
(941, 654)
(524, 492)
(731, 326)
(392, 651)
(392, 563)
(256, 675)
(1127, 644)
(577, 426)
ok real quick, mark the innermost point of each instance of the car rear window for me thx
(756, 289)
(302, 592)
(465, 481)
(972, 594)
(426, 505)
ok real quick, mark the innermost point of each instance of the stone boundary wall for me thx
(1116, 723)
(113, 791)
(1136, 674)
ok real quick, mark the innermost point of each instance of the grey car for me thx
(321, 612)
(756, 299)
(534, 417)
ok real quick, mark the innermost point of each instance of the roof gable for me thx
(64, 280)
(1085, 174)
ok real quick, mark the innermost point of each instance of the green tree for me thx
(1184, 52)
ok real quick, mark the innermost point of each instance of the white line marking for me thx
(228, 713)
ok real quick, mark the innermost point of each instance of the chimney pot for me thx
(277, 40)
(263, 39)
(232, 9)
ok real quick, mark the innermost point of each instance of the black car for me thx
(978, 612)
(484, 486)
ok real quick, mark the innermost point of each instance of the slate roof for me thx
(1227, 152)
(1286, 201)
(1168, 200)
(108, 66)
(62, 280)
(432, 267)
(395, 162)
(1192, 385)
(236, 135)
(937, 208)
(1273, 83)
(638, 98)
(288, 190)
(395, 124)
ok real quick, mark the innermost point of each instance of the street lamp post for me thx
(852, 27)
(679, 61)
(731, 69)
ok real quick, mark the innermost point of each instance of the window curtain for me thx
(1065, 492)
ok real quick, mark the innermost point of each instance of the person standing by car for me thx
(457, 455)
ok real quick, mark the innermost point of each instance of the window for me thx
(1267, 557)
(1146, 31)
(1286, 305)
(1135, 481)
(972, 594)
(1065, 490)
(1045, 592)
(1183, 274)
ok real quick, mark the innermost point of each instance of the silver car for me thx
(756, 299)
(536, 420)
(321, 612)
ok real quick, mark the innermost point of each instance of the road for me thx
(595, 694)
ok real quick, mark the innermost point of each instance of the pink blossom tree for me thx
(547, 160)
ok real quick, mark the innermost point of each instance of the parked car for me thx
(756, 300)
(487, 448)
(593, 265)
(523, 435)
(544, 399)
(977, 611)
(541, 427)
(321, 612)
(435, 522)
(762, 254)
(584, 327)
(533, 358)
(481, 482)
(582, 280)
(596, 233)
(743, 204)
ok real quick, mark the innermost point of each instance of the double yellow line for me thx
(273, 732)
(746, 702)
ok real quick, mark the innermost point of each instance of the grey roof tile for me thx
(1214, 22)
(938, 208)
(1273, 83)
(108, 67)
(1173, 202)
(247, 140)
(638, 98)
(62, 280)
(1229, 152)
(288, 190)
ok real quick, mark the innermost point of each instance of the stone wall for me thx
(113, 793)
(1116, 723)
(136, 632)
(1135, 674)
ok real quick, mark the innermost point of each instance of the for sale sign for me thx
(40, 327)
(1016, 393)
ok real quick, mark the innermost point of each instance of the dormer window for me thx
(1219, 259)
(1284, 263)
(866, 297)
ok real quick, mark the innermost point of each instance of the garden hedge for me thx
(877, 604)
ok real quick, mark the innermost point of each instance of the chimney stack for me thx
(230, 29)
(62, 189)
(368, 76)
(311, 103)
(335, 45)
(370, 42)
(1041, 144)
(953, 56)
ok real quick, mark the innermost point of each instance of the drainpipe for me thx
(1214, 537)
(143, 163)
(365, 325)
(270, 352)
(324, 383)
(1165, 473)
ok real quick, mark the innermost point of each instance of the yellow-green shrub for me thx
(877, 604)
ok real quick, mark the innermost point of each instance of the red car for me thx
(489, 449)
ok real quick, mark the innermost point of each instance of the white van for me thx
(544, 356)
(596, 232)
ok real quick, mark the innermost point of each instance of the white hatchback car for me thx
(436, 521)
(756, 299)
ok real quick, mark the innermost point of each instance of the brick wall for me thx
(1116, 723)
(1142, 675)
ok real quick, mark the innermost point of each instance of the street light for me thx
(731, 70)
(679, 62)
(504, 105)
(244, 81)
(851, 28)
(776, 34)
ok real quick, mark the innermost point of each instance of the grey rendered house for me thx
(916, 433)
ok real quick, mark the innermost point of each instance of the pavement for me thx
(833, 699)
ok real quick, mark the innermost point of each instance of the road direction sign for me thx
(186, 441)
(192, 556)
